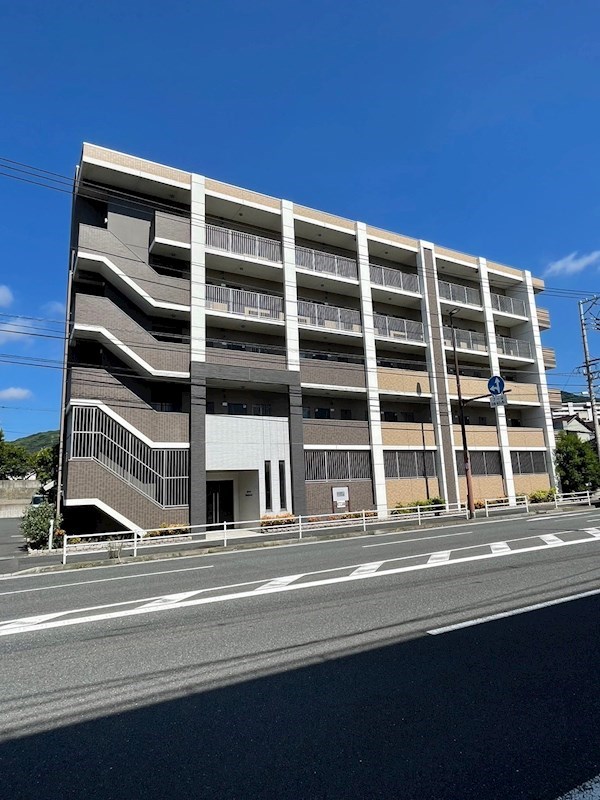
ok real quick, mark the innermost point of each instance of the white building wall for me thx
(198, 270)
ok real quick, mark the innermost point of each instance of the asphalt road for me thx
(322, 670)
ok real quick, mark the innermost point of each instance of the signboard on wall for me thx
(341, 496)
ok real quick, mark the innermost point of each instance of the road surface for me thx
(340, 669)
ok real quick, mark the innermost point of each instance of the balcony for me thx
(241, 303)
(515, 348)
(403, 381)
(408, 434)
(543, 317)
(455, 293)
(317, 315)
(394, 279)
(243, 244)
(549, 357)
(170, 235)
(405, 330)
(508, 305)
(326, 263)
(465, 340)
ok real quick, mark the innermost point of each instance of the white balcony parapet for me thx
(330, 263)
(398, 328)
(394, 279)
(513, 347)
(465, 340)
(508, 305)
(459, 294)
(322, 316)
(242, 303)
(243, 244)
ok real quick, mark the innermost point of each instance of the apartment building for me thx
(233, 355)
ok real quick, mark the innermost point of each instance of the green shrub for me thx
(410, 508)
(270, 521)
(542, 496)
(168, 529)
(35, 525)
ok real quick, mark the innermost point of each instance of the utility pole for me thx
(461, 417)
(588, 370)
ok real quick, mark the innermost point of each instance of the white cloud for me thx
(54, 307)
(573, 263)
(13, 329)
(6, 296)
(14, 393)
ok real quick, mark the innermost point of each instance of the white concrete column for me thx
(198, 270)
(540, 374)
(374, 410)
(292, 339)
(502, 428)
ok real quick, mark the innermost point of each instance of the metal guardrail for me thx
(329, 263)
(137, 540)
(465, 340)
(243, 303)
(394, 279)
(398, 328)
(508, 305)
(243, 244)
(570, 498)
(503, 503)
(513, 347)
(319, 315)
(459, 294)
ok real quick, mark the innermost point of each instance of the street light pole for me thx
(589, 373)
(463, 429)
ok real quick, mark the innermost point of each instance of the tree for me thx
(577, 464)
(15, 461)
(45, 463)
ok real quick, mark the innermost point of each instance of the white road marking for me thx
(561, 514)
(592, 531)
(103, 580)
(368, 569)
(278, 583)
(551, 538)
(170, 599)
(16, 536)
(36, 620)
(500, 547)
(25, 625)
(439, 558)
(590, 790)
(421, 539)
(514, 612)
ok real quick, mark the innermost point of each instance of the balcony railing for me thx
(465, 340)
(514, 347)
(394, 279)
(459, 294)
(321, 316)
(329, 263)
(398, 328)
(508, 305)
(243, 244)
(243, 303)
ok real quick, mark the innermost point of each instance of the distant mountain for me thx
(37, 441)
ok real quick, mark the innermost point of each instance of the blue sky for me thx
(471, 124)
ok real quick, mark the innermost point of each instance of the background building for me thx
(232, 355)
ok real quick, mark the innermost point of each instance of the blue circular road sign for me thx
(496, 384)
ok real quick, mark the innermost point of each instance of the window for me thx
(407, 416)
(337, 465)
(482, 421)
(409, 463)
(346, 413)
(323, 413)
(531, 462)
(483, 462)
(389, 416)
(261, 410)
(305, 412)
(237, 408)
(282, 492)
(515, 423)
(210, 406)
(268, 500)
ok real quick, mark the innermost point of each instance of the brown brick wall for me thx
(525, 484)
(88, 479)
(170, 226)
(331, 373)
(407, 490)
(335, 431)
(239, 358)
(405, 434)
(135, 164)
(319, 497)
(403, 380)
(485, 487)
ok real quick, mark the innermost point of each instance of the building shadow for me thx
(509, 709)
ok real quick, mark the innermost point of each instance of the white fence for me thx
(459, 294)
(398, 328)
(321, 316)
(243, 244)
(137, 541)
(330, 263)
(506, 503)
(465, 340)
(394, 279)
(508, 305)
(243, 303)
(570, 498)
(513, 347)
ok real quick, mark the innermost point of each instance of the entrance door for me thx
(219, 502)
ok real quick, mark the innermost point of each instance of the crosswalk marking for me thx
(439, 558)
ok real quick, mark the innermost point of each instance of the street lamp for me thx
(461, 418)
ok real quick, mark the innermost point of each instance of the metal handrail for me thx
(394, 279)
(509, 305)
(513, 347)
(244, 244)
(398, 328)
(459, 294)
(330, 263)
(465, 340)
(243, 303)
(322, 316)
